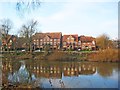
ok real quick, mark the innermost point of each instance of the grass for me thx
(107, 55)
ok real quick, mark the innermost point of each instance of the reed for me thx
(106, 55)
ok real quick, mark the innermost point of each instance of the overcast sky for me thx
(87, 17)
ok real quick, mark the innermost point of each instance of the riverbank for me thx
(108, 55)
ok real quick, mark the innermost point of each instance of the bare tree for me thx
(27, 30)
(5, 27)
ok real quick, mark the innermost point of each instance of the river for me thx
(55, 74)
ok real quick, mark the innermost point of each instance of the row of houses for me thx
(55, 40)
(66, 42)
(51, 71)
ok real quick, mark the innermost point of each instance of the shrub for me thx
(104, 55)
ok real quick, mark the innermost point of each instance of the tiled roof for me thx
(56, 35)
(8, 38)
(86, 38)
(73, 35)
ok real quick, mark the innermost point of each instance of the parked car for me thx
(37, 51)
(23, 50)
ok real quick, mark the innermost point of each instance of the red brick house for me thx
(8, 42)
(86, 43)
(70, 42)
(42, 39)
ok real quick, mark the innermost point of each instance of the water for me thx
(53, 74)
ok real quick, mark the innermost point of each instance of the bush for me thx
(105, 55)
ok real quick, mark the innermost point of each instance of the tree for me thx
(5, 27)
(103, 42)
(26, 31)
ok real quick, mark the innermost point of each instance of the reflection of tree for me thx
(21, 76)
(105, 69)
(26, 6)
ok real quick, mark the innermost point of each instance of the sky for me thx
(82, 17)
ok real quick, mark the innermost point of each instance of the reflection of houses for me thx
(70, 42)
(45, 71)
(40, 40)
(75, 70)
(8, 42)
(87, 69)
(51, 71)
(86, 43)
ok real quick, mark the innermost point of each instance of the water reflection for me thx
(21, 76)
(55, 74)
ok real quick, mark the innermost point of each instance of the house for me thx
(21, 43)
(51, 39)
(86, 43)
(70, 42)
(116, 43)
(8, 42)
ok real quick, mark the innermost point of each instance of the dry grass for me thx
(57, 56)
(105, 55)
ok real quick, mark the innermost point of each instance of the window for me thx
(44, 43)
(55, 39)
(40, 39)
(50, 39)
(64, 43)
(41, 43)
(54, 43)
(10, 41)
(58, 39)
(93, 42)
(37, 43)
(51, 43)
